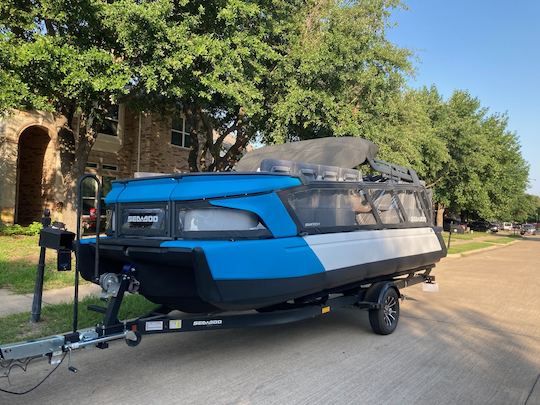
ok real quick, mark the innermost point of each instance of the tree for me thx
(77, 58)
(276, 70)
(526, 208)
(271, 70)
(481, 171)
(338, 75)
(59, 56)
(466, 155)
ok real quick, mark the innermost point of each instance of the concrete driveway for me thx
(477, 341)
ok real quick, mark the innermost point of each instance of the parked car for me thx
(528, 229)
(506, 226)
(455, 226)
(483, 226)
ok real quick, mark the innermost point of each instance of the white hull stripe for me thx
(346, 249)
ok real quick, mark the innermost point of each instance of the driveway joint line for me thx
(532, 389)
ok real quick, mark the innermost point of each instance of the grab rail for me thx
(98, 229)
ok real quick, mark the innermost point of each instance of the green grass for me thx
(503, 240)
(466, 247)
(57, 319)
(466, 236)
(18, 260)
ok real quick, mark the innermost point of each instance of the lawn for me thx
(18, 260)
(466, 247)
(57, 319)
(466, 236)
(503, 240)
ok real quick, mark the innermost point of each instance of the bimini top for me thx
(347, 151)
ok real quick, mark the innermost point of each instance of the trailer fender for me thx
(376, 292)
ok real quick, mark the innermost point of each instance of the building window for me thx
(180, 132)
(110, 124)
(91, 165)
(109, 167)
(89, 193)
(89, 204)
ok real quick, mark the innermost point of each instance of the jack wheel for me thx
(133, 338)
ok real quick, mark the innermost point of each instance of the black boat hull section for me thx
(180, 278)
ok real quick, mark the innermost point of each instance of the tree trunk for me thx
(73, 168)
(440, 214)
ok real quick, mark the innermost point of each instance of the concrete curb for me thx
(472, 252)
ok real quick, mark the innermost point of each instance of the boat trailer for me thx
(373, 297)
(380, 296)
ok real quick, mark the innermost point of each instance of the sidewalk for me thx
(15, 303)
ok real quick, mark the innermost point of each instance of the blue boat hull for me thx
(205, 276)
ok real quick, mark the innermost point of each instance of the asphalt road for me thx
(476, 341)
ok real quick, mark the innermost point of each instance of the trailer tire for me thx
(384, 320)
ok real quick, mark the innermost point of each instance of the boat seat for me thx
(330, 176)
(309, 174)
(280, 169)
(310, 171)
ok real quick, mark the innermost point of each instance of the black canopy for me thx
(347, 151)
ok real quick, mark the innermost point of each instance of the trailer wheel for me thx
(384, 320)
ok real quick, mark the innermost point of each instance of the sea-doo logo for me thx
(212, 322)
(143, 218)
(312, 224)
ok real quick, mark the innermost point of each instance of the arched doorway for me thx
(33, 144)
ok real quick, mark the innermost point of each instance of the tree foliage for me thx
(526, 208)
(59, 56)
(464, 152)
(270, 70)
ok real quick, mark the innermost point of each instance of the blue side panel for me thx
(194, 187)
(116, 189)
(256, 259)
(88, 241)
(147, 190)
(269, 208)
(197, 187)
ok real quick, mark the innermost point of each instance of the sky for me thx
(489, 48)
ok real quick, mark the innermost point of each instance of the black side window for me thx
(411, 204)
(331, 207)
(342, 208)
(387, 205)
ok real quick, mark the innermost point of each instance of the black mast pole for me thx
(38, 287)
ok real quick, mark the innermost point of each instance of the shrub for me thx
(30, 230)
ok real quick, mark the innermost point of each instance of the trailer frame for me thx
(162, 320)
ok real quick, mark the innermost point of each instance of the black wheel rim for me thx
(390, 310)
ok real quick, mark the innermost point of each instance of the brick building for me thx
(129, 142)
